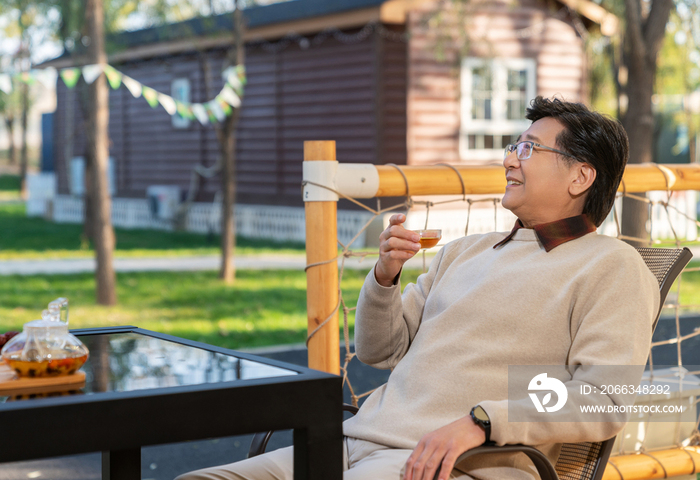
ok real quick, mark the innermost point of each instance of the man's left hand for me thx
(440, 449)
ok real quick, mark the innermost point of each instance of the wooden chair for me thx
(577, 461)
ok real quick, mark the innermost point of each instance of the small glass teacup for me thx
(429, 237)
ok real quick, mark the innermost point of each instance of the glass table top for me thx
(128, 361)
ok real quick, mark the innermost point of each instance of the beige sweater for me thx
(450, 338)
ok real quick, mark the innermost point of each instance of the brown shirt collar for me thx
(555, 233)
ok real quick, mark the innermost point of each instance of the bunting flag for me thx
(6, 83)
(168, 103)
(184, 110)
(91, 72)
(229, 96)
(150, 95)
(114, 77)
(240, 69)
(27, 78)
(215, 110)
(132, 85)
(235, 78)
(210, 112)
(225, 107)
(70, 76)
(47, 77)
(200, 113)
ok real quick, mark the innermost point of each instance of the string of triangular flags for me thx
(215, 110)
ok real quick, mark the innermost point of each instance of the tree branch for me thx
(655, 26)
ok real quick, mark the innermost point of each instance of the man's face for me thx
(538, 187)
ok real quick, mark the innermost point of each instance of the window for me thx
(495, 94)
(180, 91)
(77, 176)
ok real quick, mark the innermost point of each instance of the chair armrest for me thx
(259, 442)
(542, 464)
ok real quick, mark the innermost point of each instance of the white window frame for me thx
(498, 125)
(180, 91)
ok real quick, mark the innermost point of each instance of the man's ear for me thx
(584, 176)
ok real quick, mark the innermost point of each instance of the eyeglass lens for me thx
(523, 150)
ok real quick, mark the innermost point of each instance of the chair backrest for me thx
(587, 461)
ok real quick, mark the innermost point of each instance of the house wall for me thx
(392, 79)
(353, 93)
(526, 29)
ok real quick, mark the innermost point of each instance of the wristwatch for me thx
(481, 418)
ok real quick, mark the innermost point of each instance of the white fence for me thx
(252, 221)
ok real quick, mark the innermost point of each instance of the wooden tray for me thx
(11, 384)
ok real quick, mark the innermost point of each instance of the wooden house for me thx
(380, 77)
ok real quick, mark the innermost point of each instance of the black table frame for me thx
(119, 423)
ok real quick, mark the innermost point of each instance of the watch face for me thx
(481, 415)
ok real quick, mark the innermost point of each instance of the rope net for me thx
(673, 331)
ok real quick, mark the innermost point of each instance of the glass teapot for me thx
(45, 348)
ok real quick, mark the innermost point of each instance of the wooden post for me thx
(322, 281)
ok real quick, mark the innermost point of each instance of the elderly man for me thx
(550, 292)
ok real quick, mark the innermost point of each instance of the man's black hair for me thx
(592, 138)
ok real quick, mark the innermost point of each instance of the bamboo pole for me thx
(675, 462)
(322, 280)
(443, 180)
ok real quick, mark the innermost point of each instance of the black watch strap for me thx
(481, 418)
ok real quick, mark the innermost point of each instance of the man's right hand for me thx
(396, 246)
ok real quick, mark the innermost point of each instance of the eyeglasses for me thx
(524, 150)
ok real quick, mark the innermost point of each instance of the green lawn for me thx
(9, 183)
(690, 289)
(23, 237)
(263, 307)
(9, 187)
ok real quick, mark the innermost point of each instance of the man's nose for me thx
(511, 160)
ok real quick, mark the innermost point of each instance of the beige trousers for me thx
(362, 460)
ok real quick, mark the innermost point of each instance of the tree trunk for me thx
(23, 160)
(103, 233)
(228, 187)
(643, 39)
(88, 235)
(639, 124)
(10, 125)
(227, 141)
(85, 102)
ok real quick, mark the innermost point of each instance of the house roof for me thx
(275, 21)
(255, 17)
(262, 22)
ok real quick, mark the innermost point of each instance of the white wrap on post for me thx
(352, 179)
(322, 173)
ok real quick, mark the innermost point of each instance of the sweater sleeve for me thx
(386, 322)
(611, 333)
